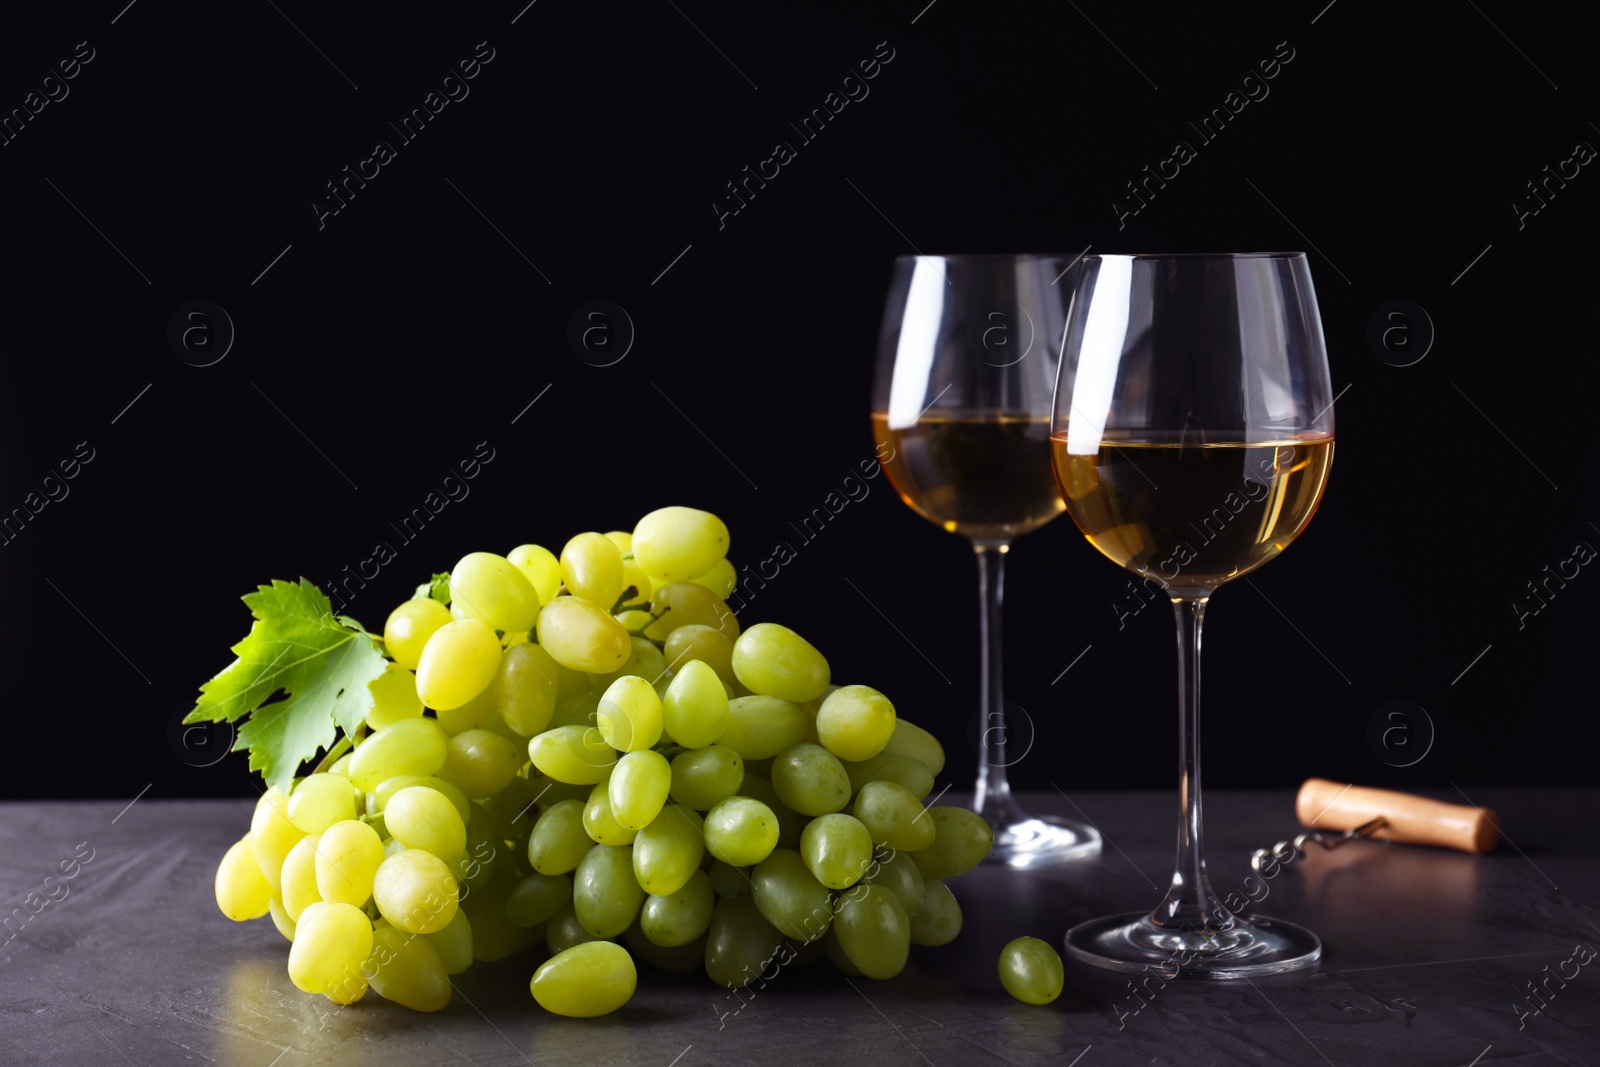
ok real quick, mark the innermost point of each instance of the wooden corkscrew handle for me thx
(1407, 819)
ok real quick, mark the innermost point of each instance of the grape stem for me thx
(339, 748)
(622, 602)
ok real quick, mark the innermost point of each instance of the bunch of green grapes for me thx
(585, 753)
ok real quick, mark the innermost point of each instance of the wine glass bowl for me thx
(1192, 439)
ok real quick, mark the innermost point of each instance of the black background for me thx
(383, 347)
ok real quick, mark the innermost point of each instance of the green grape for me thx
(583, 636)
(331, 943)
(773, 660)
(299, 877)
(676, 544)
(493, 938)
(741, 945)
(1031, 970)
(889, 767)
(644, 661)
(629, 715)
(416, 891)
(605, 894)
(704, 643)
(394, 697)
(638, 788)
(591, 566)
(633, 575)
(348, 855)
(582, 709)
(897, 871)
(390, 786)
(909, 739)
(564, 931)
(962, 839)
(242, 891)
(830, 945)
(855, 722)
(680, 917)
(760, 727)
(577, 755)
(586, 980)
(407, 970)
(537, 898)
(475, 867)
(341, 765)
(679, 959)
(811, 780)
(893, 817)
(411, 746)
(272, 835)
(684, 604)
(728, 881)
(873, 930)
(939, 920)
(458, 662)
(789, 823)
(667, 852)
(559, 839)
(493, 589)
(600, 823)
(454, 943)
(694, 712)
(741, 831)
(280, 919)
(525, 688)
(837, 849)
(623, 539)
(703, 776)
(540, 566)
(721, 579)
(480, 763)
(424, 818)
(476, 714)
(515, 808)
(409, 626)
(789, 897)
(320, 800)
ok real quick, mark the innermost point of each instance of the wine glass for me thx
(961, 403)
(1192, 438)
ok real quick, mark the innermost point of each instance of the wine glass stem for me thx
(992, 798)
(1190, 903)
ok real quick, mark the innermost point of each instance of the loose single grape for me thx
(416, 891)
(577, 755)
(889, 767)
(909, 739)
(699, 642)
(332, 942)
(680, 917)
(685, 604)
(790, 897)
(961, 840)
(1031, 970)
(525, 688)
(591, 979)
(894, 817)
(760, 727)
(410, 625)
(394, 697)
(583, 636)
(873, 930)
(591, 566)
(811, 780)
(759, 788)
(605, 894)
(407, 970)
(773, 660)
(600, 823)
(493, 589)
(387, 788)
(667, 853)
(559, 840)
(411, 746)
(424, 818)
(679, 544)
(855, 722)
(242, 891)
(348, 856)
(537, 898)
(695, 710)
(272, 835)
(741, 831)
(454, 943)
(721, 579)
(741, 946)
(939, 920)
(629, 715)
(480, 763)
(299, 877)
(703, 776)
(540, 566)
(837, 849)
(638, 788)
(458, 662)
(898, 872)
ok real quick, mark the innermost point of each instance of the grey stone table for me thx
(1429, 959)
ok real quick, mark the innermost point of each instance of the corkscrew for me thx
(1338, 814)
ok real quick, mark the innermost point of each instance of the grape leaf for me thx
(321, 663)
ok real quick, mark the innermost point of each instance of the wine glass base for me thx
(1248, 949)
(1039, 840)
